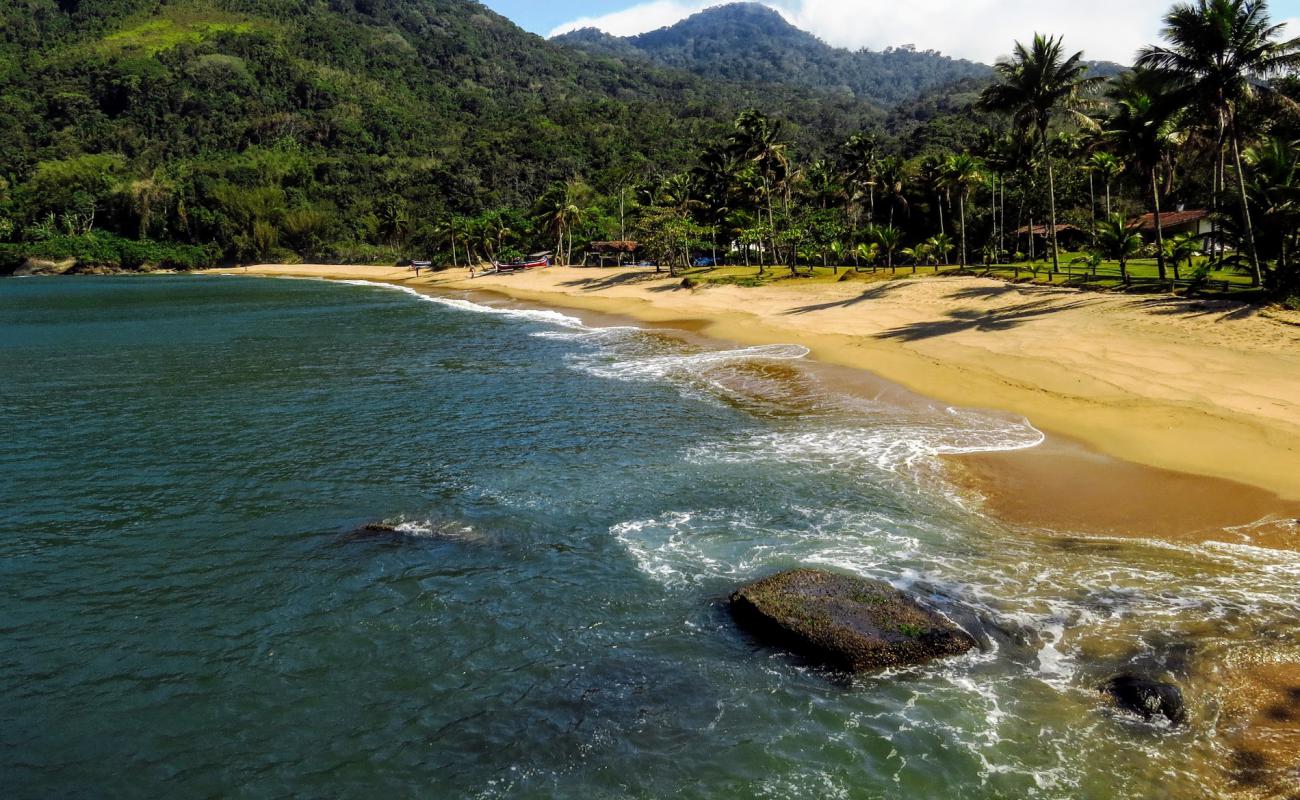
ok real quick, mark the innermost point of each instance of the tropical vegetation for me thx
(234, 130)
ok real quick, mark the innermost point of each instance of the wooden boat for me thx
(520, 266)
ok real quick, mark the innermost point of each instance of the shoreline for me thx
(1197, 404)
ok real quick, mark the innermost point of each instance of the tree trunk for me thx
(1092, 196)
(939, 202)
(1051, 197)
(1160, 232)
(961, 203)
(1256, 273)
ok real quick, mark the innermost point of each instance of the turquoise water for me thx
(185, 612)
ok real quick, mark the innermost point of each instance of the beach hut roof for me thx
(1169, 219)
(615, 247)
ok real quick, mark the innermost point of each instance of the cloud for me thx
(982, 30)
(637, 19)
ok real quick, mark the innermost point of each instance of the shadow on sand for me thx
(969, 319)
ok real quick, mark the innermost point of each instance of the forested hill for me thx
(247, 125)
(751, 42)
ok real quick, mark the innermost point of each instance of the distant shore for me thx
(1192, 387)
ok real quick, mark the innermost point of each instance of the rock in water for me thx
(1148, 698)
(373, 530)
(846, 622)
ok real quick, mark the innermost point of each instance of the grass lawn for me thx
(1143, 273)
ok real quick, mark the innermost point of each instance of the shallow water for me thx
(183, 459)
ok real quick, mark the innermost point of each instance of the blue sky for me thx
(978, 29)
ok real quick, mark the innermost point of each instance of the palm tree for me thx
(755, 140)
(921, 254)
(888, 238)
(1219, 53)
(1036, 84)
(932, 179)
(1183, 247)
(1108, 168)
(892, 180)
(866, 252)
(942, 245)
(1144, 127)
(962, 172)
(559, 210)
(861, 160)
(1116, 239)
(1275, 190)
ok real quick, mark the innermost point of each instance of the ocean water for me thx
(185, 611)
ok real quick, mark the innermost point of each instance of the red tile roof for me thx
(1170, 219)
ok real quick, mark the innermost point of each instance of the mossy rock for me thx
(846, 622)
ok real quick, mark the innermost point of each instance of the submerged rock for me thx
(1147, 698)
(379, 529)
(412, 531)
(846, 622)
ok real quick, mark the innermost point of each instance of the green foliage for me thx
(104, 250)
(668, 235)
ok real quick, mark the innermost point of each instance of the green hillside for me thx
(340, 127)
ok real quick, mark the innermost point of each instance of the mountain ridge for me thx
(750, 42)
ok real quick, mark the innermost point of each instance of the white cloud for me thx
(982, 30)
(637, 19)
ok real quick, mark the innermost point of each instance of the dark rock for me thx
(1147, 698)
(373, 530)
(846, 622)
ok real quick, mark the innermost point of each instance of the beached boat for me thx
(519, 266)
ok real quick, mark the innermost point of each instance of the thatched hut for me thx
(604, 254)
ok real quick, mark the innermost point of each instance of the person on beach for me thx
(471, 272)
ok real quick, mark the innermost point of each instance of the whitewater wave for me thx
(460, 304)
(655, 368)
(894, 441)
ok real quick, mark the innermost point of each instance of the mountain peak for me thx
(735, 18)
(753, 43)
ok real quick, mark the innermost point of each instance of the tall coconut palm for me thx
(1275, 191)
(861, 158)
(892, 178)
(932, 179)
(756, 140)
(1107, 167)
(1144, 127)
(1034, 86)
(962, 172)
(1219, 53)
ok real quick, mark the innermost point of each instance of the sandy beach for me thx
(1201, 388)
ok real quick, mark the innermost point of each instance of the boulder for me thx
(39, 266)
(1147, 698)
(846, 622)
